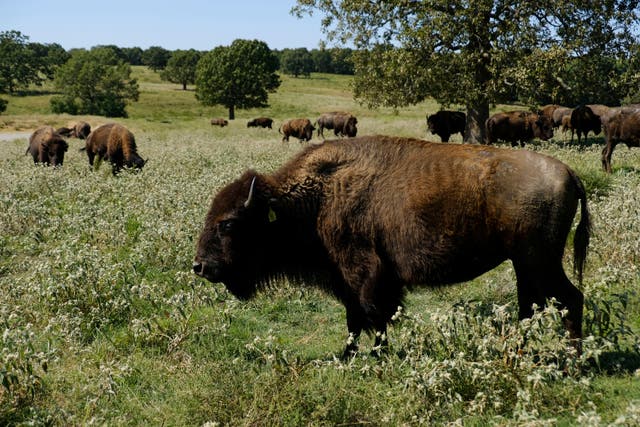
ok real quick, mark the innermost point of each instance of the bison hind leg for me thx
(542, 281)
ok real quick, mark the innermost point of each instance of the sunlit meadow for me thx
(103, 323)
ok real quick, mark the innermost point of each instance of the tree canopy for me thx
(181, 67)
(237, 76)
(23, 63)
(477, 52)
(296, 62)
(94, 82)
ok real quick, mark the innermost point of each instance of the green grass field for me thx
(102, 321)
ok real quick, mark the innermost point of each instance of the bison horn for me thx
(247, 203)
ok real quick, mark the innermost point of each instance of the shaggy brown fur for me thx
(47, 146)
(342, 123)
(622, 127)
(115, 143)
(298, 128)
(368, 218)
(80, 130)
(518, 127)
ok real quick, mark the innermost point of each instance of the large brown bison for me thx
(622, 127)
(298, 128)
(445, 123)
(583, 120)
(47, 146)
(116, 144)
(263, 122)
(368, 218)
(80, 130)
(518, 127)
(219, 122)
(342, 123)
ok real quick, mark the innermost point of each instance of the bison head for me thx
(229, 249)
(350, 128)
(55, 149)
(543, 128)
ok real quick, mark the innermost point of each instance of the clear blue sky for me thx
(175, 24)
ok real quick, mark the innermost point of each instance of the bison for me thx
(518, 127)
(559, 114)
(368, 218)
(115, 143)
(219, 122)
(298, 128)
(80, 130)
(47, 146)
(342, 123)
(445, 123)
(624, 126)
(583, 120)
(263, 122)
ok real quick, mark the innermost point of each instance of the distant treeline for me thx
(298, 62)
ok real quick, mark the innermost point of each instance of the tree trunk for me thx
(477, 115)
(232, 113)
(184, 86)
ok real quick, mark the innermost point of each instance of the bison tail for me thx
(583, 232)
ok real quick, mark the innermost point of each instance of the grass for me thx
(102, 322)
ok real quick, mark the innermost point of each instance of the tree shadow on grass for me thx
(618, 362)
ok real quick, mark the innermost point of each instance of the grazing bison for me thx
(115, 143)
(518, 127)
(445, 123)
(368, 218)
(47, 146)
(298, 128)
(623, 127)
(80, 130)
(583, 120)
(219, 122)
(559, 114)
(263, 122)
(342, 123)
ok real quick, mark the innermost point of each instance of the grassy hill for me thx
(102, 321)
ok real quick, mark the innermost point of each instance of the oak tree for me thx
(237, 76)
(478, 52)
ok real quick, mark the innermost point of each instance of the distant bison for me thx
(518, 127)
(445, 123)
(263, 122)
(584, 120)
(368, 218)
(298, 128)
(219, 122)
(559, 114)
(47, 146)
(342, 123)
(116, 144)
(80, 130)
(622, 127)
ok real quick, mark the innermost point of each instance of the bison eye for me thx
(225, 227)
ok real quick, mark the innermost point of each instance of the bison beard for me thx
(368, 218)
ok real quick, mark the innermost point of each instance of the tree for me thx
(94, 82)
(19, 64)
(473, 52)
(296, 62)
(181, 67)
(237, 76)
(156, 57)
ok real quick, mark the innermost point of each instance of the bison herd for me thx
(112, 142)
(620, 125)
(369, 218)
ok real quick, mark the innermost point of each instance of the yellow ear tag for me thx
(272, 215)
